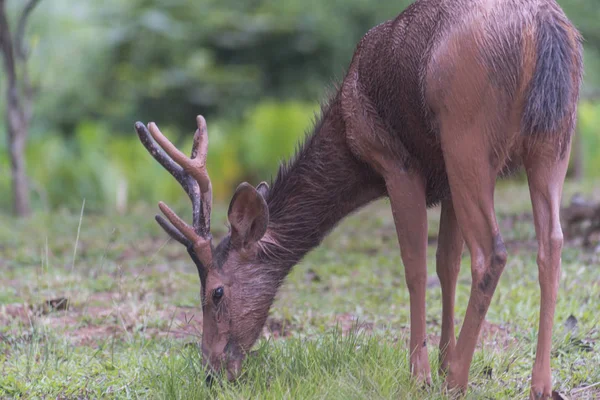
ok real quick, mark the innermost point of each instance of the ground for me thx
(106, 307)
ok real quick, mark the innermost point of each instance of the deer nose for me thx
(234, 369)
(211, 365)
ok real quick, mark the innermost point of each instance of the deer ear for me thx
(263, 189)
(248, 216)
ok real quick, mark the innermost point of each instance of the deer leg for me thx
(407, 197)
(450, 246)
(546, 179)
(472, 181)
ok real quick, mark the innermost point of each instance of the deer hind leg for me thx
(449, 251)
(472, 180)
(407, 197)
(546, 176)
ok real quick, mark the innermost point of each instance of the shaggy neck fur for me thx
(322, 184)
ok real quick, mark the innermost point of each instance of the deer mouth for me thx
(234, 368)
(229, 363)
(233, 360)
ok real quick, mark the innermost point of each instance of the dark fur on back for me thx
(551, 91)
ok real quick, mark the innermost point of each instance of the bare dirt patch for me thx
(106, 317)
(19, 313)
(586, 393)
(109, 319)
(349, 322)
(496, 336)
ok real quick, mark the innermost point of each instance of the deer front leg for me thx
(407, 197)
(449, 251)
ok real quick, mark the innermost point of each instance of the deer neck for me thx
(320, 186)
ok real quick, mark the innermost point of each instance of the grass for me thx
(338, 330)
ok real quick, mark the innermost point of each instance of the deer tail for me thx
(553, 92)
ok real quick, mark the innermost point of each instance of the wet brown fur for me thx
(417, 90)
(435, 106)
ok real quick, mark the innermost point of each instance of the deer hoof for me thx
(542, 393)
(541, 385)
(420, 367)
(456, 382)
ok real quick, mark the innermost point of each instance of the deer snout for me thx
(234, 358)
(212, 363)
(229, 360)
(234, 368)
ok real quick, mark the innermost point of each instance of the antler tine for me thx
(192, 175)
(201, 245)
(178, 236)
(167, 146)
(178, 223)
(172, 167)
(199, 153)
(159, 155)
(187, 182)
(195, 167)
(200, 146)
(172, 231)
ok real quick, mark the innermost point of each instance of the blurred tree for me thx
(151, 59)
(19, 96)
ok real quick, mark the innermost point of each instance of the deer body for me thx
(435, 105)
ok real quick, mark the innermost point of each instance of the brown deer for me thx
(435, 106)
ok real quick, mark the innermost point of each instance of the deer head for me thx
(236, 292)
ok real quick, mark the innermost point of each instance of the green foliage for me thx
(589, 128)
(150, 59)
(115, 171)
(256, 70)
(5, 182)
(271, 132)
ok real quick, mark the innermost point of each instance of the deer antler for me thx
(191, 173)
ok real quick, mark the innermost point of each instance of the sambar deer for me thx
(434, 107)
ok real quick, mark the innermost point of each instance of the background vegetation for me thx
(255, 69)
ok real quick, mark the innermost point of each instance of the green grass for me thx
(338, 329)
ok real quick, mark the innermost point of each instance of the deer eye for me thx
(218, 294)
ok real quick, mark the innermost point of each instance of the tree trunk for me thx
(17, 112)
(18, 128)
(20, 182)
